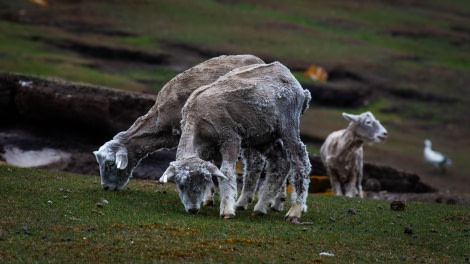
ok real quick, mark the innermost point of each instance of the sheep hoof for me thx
(293, 219)
(208, 203)
(277, 207)
(228, 216)
(296, 220)
(258, 213)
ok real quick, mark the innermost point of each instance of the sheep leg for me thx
(209, 196)
(336, 188)
(300, 179)
(278, 204)
(253, 163)
(353, 186)
(350, 188)
(277, 169)
(334, 181)
(359, 189)
(228, 187)
(359, 184)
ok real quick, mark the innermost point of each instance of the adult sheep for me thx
(160, 127)
(342, 153)
(254, 107)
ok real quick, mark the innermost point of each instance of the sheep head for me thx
(193, 176)
(113, 162)
(366, 127)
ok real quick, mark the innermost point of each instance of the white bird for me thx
(437, 159)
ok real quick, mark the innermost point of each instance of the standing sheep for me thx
(160, 127)
(255, 107)
(341, 152)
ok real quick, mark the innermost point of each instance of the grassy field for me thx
(56, 217)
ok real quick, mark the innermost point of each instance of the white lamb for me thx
(342, 152)
(255, 107)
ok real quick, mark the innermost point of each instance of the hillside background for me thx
(406, 61)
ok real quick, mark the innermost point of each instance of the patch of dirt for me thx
(110, 53)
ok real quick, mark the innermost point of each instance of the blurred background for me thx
(406, 61)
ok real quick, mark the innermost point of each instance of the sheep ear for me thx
(350, 117)
(215, 171)
(96, 155)
(121, 159)
(170, 172)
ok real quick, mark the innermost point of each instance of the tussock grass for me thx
(66, 218)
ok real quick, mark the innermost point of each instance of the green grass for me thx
(154, 77)
(23, 55)
(336, 32)
(53, 217)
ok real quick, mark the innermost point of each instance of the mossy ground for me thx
(57, 217)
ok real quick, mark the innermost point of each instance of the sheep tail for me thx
(307, 99)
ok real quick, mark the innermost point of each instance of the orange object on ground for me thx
(316, 73)
(318, 184)
(39, 2)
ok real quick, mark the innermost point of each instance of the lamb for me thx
(160, 127)
(342, 153)
(255, 107)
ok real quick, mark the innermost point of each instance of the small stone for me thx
(328, 254)
(26, 230)
(351, 211)
(397, 206)
(408, 230)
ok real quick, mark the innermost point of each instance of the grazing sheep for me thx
(341, 152)
(160, 127)
(255, 107)
(437, 159)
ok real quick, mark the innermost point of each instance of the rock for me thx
(408, 230)
(397, 206)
